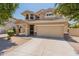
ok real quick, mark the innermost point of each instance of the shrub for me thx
(10, 32)
(14, 30)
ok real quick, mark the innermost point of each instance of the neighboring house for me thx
(42, 23)
(10, 23)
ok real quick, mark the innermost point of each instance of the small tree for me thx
(69, 10)
(6, 11)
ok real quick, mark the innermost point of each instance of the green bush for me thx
(14, 30)
(10, 32)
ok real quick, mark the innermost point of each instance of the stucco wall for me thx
(74, 31)
(27, 29)
(24, 29)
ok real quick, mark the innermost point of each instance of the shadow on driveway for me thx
(69, 38)
(65, 38)
(5, 44)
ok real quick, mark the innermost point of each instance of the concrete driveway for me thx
(43, 47)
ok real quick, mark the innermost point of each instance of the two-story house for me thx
(42, 23)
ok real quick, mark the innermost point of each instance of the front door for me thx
(31, 29)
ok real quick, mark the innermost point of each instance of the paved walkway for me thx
(43, 47)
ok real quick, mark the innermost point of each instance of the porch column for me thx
(29, 16)
(33, 17)
(17, 31)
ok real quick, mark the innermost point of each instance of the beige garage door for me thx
(50, 31)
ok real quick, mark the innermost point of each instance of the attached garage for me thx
(49, 28)
(50, 31)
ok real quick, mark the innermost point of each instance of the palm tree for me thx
(6, 11)
(70, 10)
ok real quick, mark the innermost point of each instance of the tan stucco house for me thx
(42, 23)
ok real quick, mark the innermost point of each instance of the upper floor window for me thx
(31, 16)
(36, 17)
(49, 14)
(27, 16)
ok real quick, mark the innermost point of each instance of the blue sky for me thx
(31, 6)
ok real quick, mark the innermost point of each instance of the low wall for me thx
(74, 31)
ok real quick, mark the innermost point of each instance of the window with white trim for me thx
(49, 14)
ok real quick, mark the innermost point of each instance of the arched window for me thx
(31, 16)
(19, 28)
(27, 16)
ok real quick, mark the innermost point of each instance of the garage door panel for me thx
(50, 31)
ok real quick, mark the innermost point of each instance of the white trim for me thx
(52, 25)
